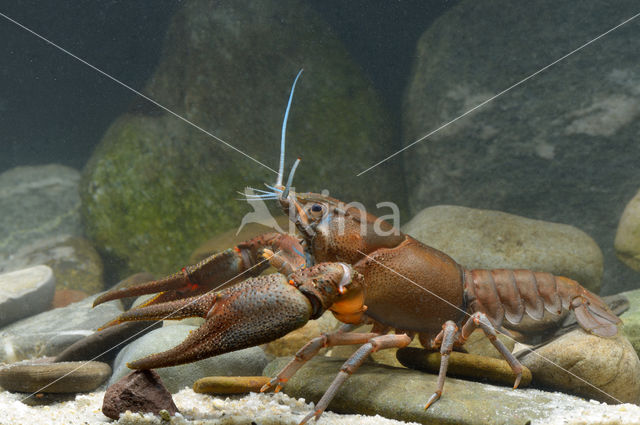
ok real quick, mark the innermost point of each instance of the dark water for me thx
(53, 108)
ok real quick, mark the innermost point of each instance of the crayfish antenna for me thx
(285, 192)
(284, 130)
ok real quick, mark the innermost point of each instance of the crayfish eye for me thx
(316, 210)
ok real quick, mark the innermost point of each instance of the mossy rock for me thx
(155, 188)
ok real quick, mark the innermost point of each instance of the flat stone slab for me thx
(66, 377)
(401, 394)
(230, 384)
(25, 292)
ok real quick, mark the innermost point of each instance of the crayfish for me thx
(363, 270)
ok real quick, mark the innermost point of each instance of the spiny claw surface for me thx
(250, 313)
(218, 269)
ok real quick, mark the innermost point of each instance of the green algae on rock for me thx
(155, 188)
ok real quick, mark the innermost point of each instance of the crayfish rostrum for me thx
(364, 271)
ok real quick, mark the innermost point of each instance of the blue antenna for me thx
(284, 130)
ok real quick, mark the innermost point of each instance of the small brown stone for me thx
(140, 391)
(63, 297)
(463, 365)
(230, 384)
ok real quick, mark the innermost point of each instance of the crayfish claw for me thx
(235, 319)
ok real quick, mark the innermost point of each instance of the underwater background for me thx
(505, 134)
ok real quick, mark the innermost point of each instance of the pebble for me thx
(247, 362)
(66, 377)
(64, 297)
(463, 365)
(230, 384)
(605, 366)
(25, 292)
(140, 391)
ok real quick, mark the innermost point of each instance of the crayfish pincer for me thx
(253, 312)
(364, 271)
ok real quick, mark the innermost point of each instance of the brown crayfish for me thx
(362, 270)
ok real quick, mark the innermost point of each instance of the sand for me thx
(262, 409)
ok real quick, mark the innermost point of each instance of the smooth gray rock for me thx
(609, 364)
(49, 333)
(25, 292)
(402, 393)
(561, 147)
(38, 202)
(480, 239)
(247, 362)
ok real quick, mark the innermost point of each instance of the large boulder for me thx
(485, 239)
(561, 147)
(156, 187)
(39, 203)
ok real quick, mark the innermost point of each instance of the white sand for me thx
(196, 409)
(263, 409)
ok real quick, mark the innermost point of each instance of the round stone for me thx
(25, 292)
